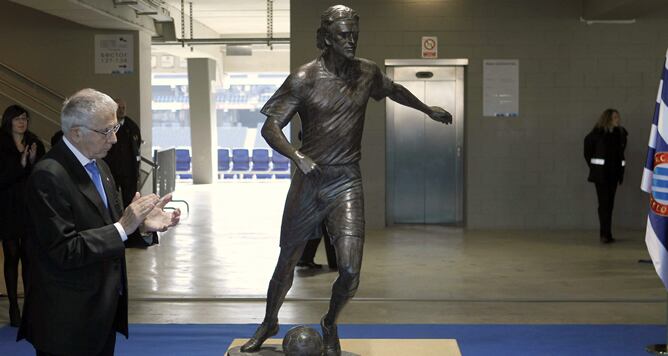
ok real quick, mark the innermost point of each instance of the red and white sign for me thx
(429, 47)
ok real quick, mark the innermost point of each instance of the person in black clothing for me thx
(124, 157)
(308, 256)
(56, 137)
(19, 150)
(78, 297)
(604, 152)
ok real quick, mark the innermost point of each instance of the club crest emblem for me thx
(659, 196)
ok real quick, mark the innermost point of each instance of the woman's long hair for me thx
(6, 125)
(10, 113)
(605, 121)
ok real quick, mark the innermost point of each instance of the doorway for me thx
(424, 174)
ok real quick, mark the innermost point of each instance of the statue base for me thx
(658, 349)
(270, 350)
(366, 347)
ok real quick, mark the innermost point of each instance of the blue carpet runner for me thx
(512, 340)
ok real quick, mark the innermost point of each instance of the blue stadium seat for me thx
(260, 161)
(183, 161)
(280, 165)
(224, 162)
(241, 161)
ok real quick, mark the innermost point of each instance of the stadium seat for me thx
(183, 161)
(224, 163)
(280, 165)
(241, 161)
(260, 161)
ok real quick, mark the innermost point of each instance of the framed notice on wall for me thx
(114, 54)
(501, 88)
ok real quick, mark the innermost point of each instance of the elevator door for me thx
(424, 157)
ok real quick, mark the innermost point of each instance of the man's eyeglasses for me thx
(106, 133)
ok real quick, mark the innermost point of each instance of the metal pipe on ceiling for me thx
(223, 41)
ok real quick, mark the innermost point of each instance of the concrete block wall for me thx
(529, 171)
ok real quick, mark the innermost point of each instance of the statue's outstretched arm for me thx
(402, 96)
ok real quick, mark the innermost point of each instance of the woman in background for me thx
(19, 150)
(604, 152)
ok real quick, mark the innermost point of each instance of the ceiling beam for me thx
(619, 9)
(93, 13)
(223, 41)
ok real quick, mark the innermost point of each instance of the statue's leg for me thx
(280, 284)
(298, 222)
(345, 224)
(349, 259)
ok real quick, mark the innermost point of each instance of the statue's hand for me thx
(440, 115)
(305, 163)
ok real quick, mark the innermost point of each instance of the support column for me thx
(203, 130)
(145, 118)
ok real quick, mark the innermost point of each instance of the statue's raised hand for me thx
(440, 115)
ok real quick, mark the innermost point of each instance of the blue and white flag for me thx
(655, 182)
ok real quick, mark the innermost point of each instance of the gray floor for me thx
(215, 266)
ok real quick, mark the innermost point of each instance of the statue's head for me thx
(339, 30)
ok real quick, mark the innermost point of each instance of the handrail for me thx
(149, 162)
(33, 81)
(46, 105)
(32, 109)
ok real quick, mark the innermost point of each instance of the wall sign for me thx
(114, 54)
(500, 87)
(429, 47)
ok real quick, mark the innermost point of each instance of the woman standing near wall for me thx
(19, 150)
(604, 152)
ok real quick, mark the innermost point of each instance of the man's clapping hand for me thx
(160, 220)
(137, 211)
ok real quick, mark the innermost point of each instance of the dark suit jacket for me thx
(79, 290)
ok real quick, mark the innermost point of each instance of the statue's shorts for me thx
(330, 194)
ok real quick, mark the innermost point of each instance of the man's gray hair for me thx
(81, 108)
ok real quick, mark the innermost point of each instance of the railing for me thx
(36, 97)
(33, 81)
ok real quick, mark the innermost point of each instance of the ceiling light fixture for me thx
(607, 22)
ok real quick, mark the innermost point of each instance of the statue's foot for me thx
(263, 332)
(330, 339)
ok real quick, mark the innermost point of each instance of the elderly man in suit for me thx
(78, 298)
